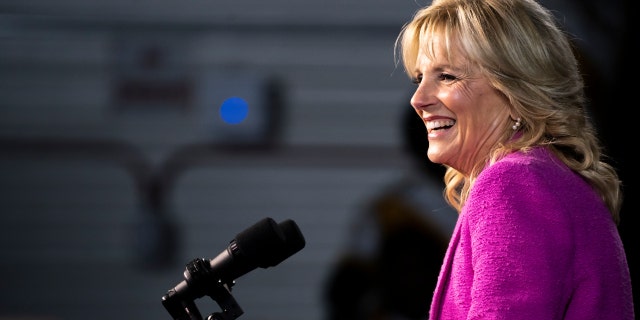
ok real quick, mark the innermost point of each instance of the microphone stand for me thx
(183, 307)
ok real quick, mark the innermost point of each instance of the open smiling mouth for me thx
(439, 124)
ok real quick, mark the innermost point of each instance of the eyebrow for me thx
(441, 68)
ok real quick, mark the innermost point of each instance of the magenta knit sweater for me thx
(533, 241)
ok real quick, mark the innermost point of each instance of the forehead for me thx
(438, 50)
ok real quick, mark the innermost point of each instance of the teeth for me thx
(439, 124)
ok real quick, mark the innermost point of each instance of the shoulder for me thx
(523, 193)
(525, 182)
(523, 170)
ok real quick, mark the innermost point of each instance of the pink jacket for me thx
(533, 241)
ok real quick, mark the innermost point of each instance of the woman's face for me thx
(463, 114)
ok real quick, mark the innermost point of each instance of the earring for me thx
(517, 125)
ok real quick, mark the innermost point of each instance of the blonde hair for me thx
(520, 48)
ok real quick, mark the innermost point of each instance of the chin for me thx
(433, 157)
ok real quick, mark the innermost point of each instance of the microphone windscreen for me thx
(261, 244)
(293, 238)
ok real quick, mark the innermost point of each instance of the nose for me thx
(423, 97)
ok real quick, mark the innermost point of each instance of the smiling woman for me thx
(501, 95)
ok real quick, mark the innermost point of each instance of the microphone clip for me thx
(199, 277)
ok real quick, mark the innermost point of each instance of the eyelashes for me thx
(441, 77)
(447, 77)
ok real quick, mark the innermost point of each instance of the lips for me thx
(439, 124)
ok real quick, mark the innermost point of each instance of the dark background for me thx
(115, 169)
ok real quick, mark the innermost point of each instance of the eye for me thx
(447, 77)
(417, 80)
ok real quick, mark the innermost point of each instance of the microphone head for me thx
(260, 245)
(293, 238)
(267, 243)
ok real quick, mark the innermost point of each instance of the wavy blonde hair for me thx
(522, 51)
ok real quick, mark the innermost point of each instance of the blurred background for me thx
(124, 152)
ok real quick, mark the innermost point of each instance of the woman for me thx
(501, 95)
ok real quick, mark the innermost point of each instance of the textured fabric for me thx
(533, 241)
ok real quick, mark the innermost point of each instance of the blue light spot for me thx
(234, 110)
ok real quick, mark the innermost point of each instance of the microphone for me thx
(293, 238)
(265, 244)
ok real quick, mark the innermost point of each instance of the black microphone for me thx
(264, 244)
(293, 238)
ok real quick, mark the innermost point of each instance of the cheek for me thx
(456, 101)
